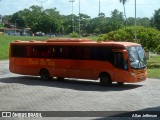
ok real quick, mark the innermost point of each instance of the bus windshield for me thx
(137, 57)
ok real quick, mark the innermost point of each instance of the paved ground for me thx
(28, 93)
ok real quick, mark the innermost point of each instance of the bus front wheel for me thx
(44, 74)
(105, 79)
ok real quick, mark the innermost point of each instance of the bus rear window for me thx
(18, 51)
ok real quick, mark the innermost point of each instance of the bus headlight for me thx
(133, 74)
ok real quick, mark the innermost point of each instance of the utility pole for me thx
(99, 8)
(79, 20)
(135, 24)
(72, 14)
(15, 32)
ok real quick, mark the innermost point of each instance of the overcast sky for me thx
(145, 8)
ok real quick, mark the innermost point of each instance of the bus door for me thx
(119, 71)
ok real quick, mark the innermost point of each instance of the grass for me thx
(154, 66)
(154, 73)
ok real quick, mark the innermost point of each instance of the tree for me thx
(140, 21)
(156, 19)
(52, 21)
(84, 22)
(96, 25)
(37, 19)
(101, 14)
(116, 21)
(124, 2)
(67, 23)
(102, 24)
(21, 18)
(92, 25)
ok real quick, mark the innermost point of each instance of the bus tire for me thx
(60, 79)
(44, 74)
(105, 79)
(120, 83)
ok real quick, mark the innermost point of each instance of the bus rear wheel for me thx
(120, 83)
(105, 79)
(44, 74)
(60, 78)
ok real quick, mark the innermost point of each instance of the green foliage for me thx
(74, 35)
(37, 19)
(102, 24)
(67, 23)
(158, 49)
(147, 37)
(1, 25)
(156, 19)
(139, 21)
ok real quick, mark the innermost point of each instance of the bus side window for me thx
(95, 53)
(49, 52)
(78, 53)
(86, 53)
(66, 52)
(118, 60)
(103, 53)
(72, 52)
(36, 52)
(44, 53)
(29, 51)
(53, 53)
(57, 52)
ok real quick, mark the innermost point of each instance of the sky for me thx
(145, 8)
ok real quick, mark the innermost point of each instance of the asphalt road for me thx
(28, 93)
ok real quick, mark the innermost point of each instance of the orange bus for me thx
(78, 58)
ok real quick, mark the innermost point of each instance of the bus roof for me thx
(74, 41)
